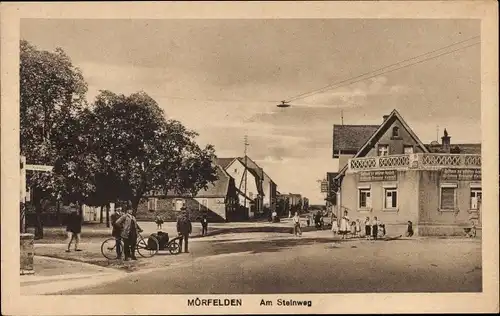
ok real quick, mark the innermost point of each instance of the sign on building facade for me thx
(382, 175)
(461, 174)
(324, 186)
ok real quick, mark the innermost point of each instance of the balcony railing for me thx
(415, 161)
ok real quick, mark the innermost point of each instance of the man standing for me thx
(74, 227)
(116, 232)
(204, 225)
(129, 229)
(184, 228)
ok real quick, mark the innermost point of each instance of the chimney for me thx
(445, 142)
(385, 118)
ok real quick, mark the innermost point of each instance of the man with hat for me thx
(184, 228)
(116, 232)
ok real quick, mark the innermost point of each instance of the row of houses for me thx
(387, 171)
(243, 191)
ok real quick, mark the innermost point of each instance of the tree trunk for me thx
(58, 212)
(135, 205)
(107, 215)
(101, 219)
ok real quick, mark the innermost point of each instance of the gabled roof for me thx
(350, 138)
(383, 127)
(252, 165)
(224, 162)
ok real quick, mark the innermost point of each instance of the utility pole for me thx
(246, 168)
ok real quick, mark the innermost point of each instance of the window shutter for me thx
(447, 198)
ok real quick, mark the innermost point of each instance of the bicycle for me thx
(146, 248)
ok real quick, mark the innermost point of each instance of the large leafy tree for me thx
(52, 94)
(142, 151)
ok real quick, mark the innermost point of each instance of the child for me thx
(335, 226)
(353, 229)
(344, 225)
(358, 228)
(381, 229)
(159, 221)
(368, 230)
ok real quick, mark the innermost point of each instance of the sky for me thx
(223, 79)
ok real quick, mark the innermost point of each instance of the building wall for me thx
(395, 220)
(434, 221)
(343, 160)
(269, 188)
(237, 170)
(395, 144)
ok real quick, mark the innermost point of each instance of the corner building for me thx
(397, 178)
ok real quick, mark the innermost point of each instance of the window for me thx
(395, 131)
(391, 198)
(408, 149)
(383, 150)
(365, 200)
(475, 198)
(152, 204)
(448, 197)
(179, 203)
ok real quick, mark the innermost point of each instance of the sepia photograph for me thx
(272, 157)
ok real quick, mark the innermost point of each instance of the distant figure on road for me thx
(308, 220)
(344, 225)
(409, 229)
(74, 228)
(184, 228)
(129, 230)
(368, 228)
(116, 231)
(375, 228)
(158, 221)
(204, 225)
(296, 225)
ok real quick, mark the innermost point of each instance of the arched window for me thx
(395, 131)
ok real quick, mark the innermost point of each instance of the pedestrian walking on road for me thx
(344, 225)
(129, 230)
(204, 225)
(116, 231)
(74, 228)
(296, 225)
(184, 228)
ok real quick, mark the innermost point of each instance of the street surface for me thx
(251, 263)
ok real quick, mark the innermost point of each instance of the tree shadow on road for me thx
(261, 246)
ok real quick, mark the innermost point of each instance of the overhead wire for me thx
(336, 84)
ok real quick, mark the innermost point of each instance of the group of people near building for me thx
(347, 228)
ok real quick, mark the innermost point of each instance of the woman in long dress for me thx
(344, 225)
